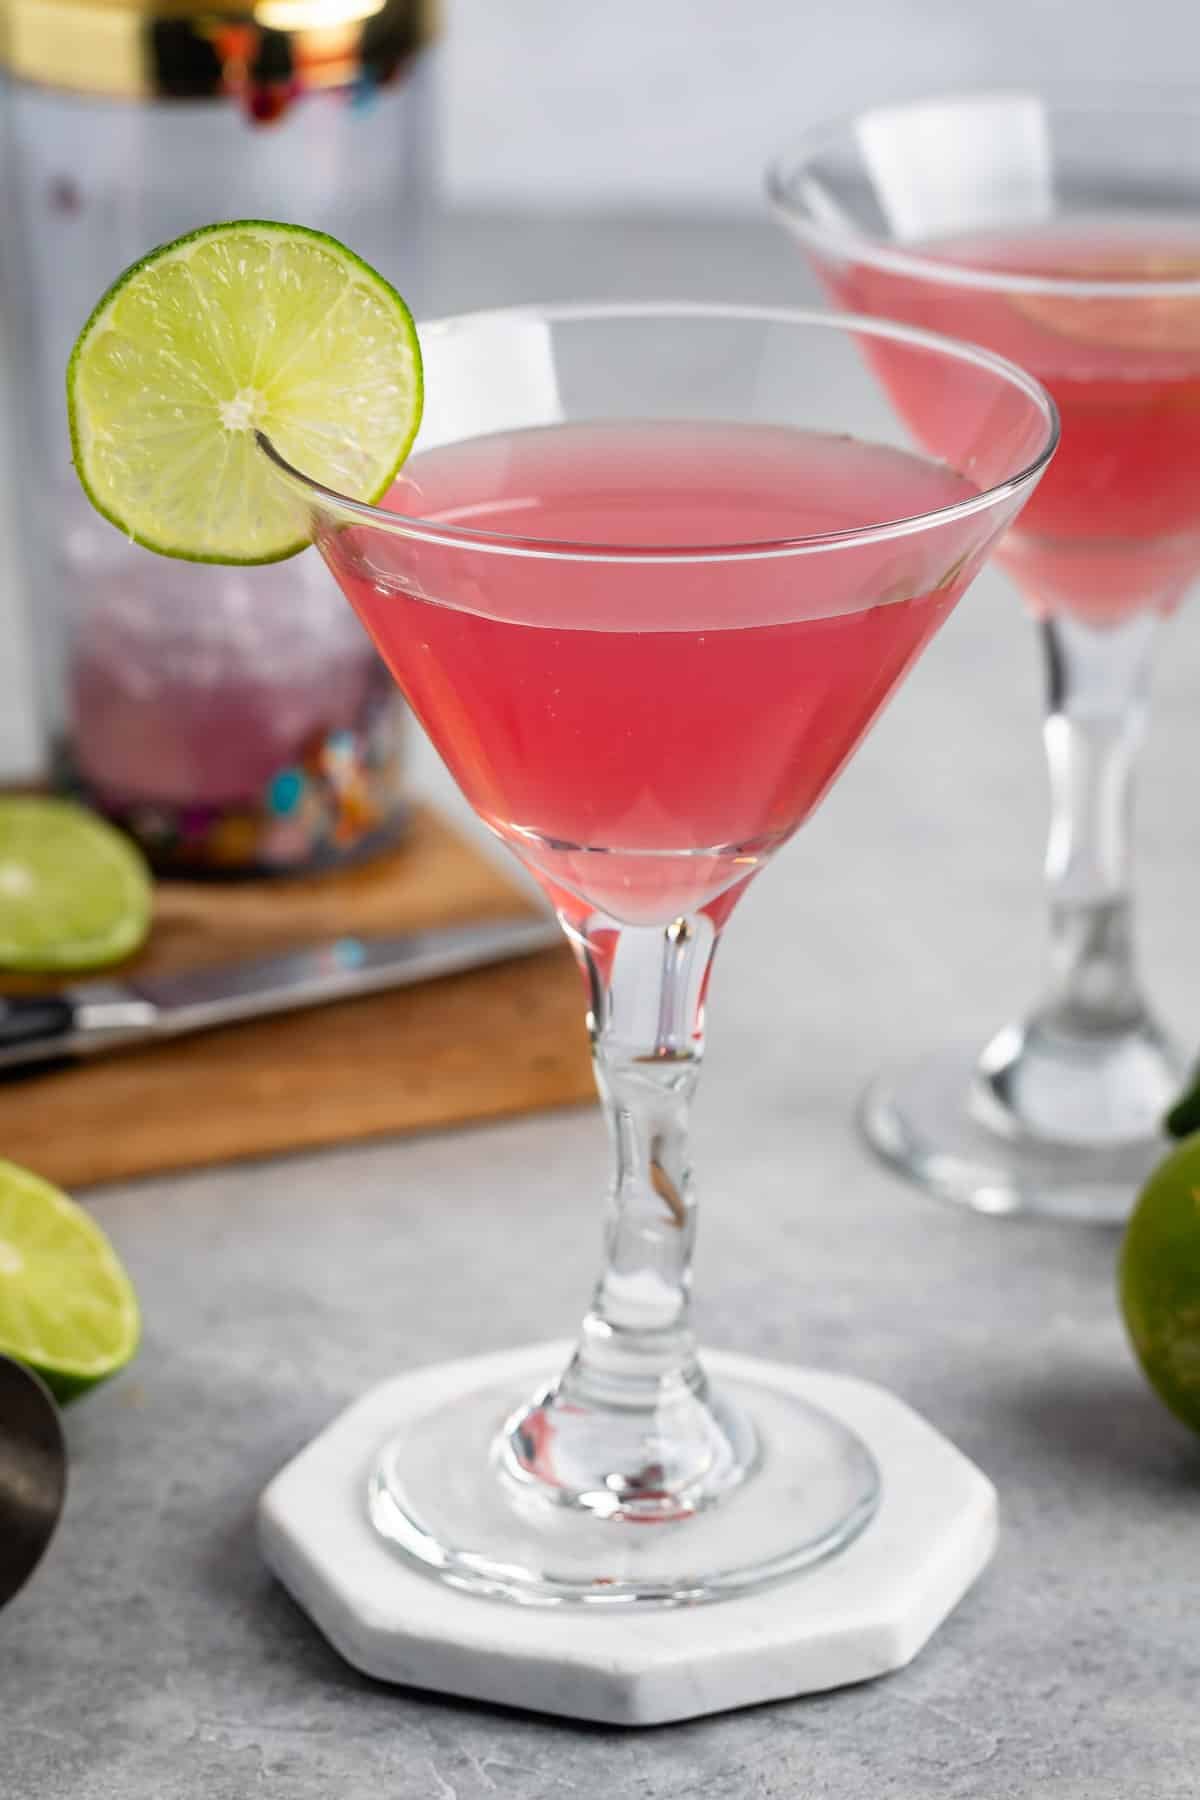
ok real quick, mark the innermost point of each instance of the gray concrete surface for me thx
(154, 1659)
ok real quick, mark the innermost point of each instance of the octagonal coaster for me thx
(863, 1612)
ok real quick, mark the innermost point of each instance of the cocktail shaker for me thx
(234, 720)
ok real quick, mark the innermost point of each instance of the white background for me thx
(678, 103)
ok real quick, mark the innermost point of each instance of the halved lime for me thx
(74, 892)
(67, 1307)
(232, 329)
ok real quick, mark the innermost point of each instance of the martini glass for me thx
(1064, 233)
(646, 594)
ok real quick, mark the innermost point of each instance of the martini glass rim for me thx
(360, 512)
(1124, 101)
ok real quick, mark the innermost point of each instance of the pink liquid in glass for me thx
(645, 733)
(1115, 525)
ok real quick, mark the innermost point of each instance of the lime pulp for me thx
(74, 892)
(233, 330)
(67, 1307)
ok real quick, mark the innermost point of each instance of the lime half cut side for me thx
(67, 1307)
(232, 330)
(74, 892)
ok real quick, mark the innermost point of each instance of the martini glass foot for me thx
(651, 1536)
(1061, 1130)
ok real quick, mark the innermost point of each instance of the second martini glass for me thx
(646, 593)
(1064, 232)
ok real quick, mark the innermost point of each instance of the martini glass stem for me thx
(630, 1426)
(1090, 1067)
(647, 1029)
(1097, 692)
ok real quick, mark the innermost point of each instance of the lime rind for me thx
(75, 894)
(242, 325)
(68, 1309)
(1158, 1281)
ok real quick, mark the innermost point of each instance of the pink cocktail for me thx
(660, 734)
(647, 579)
(1115, 527)
(1064, 234)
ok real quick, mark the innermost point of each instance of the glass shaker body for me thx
(235, 720)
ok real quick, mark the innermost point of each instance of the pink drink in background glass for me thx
(1115, 526)
(643, 740)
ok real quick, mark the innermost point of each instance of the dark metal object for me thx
(33, 1474)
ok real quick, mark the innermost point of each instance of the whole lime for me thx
(1159, 1280)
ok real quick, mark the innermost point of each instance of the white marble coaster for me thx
(861, 1614)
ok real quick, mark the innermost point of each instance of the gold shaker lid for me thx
(262, 53)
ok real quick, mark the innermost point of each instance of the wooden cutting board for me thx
(498, 1041)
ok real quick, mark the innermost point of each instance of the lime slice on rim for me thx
(1151, 321)
(67, 1307)
(232, 329)
(74, 893)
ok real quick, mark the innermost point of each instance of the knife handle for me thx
(31, 1023)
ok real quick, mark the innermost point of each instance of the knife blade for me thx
(94, 1016)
